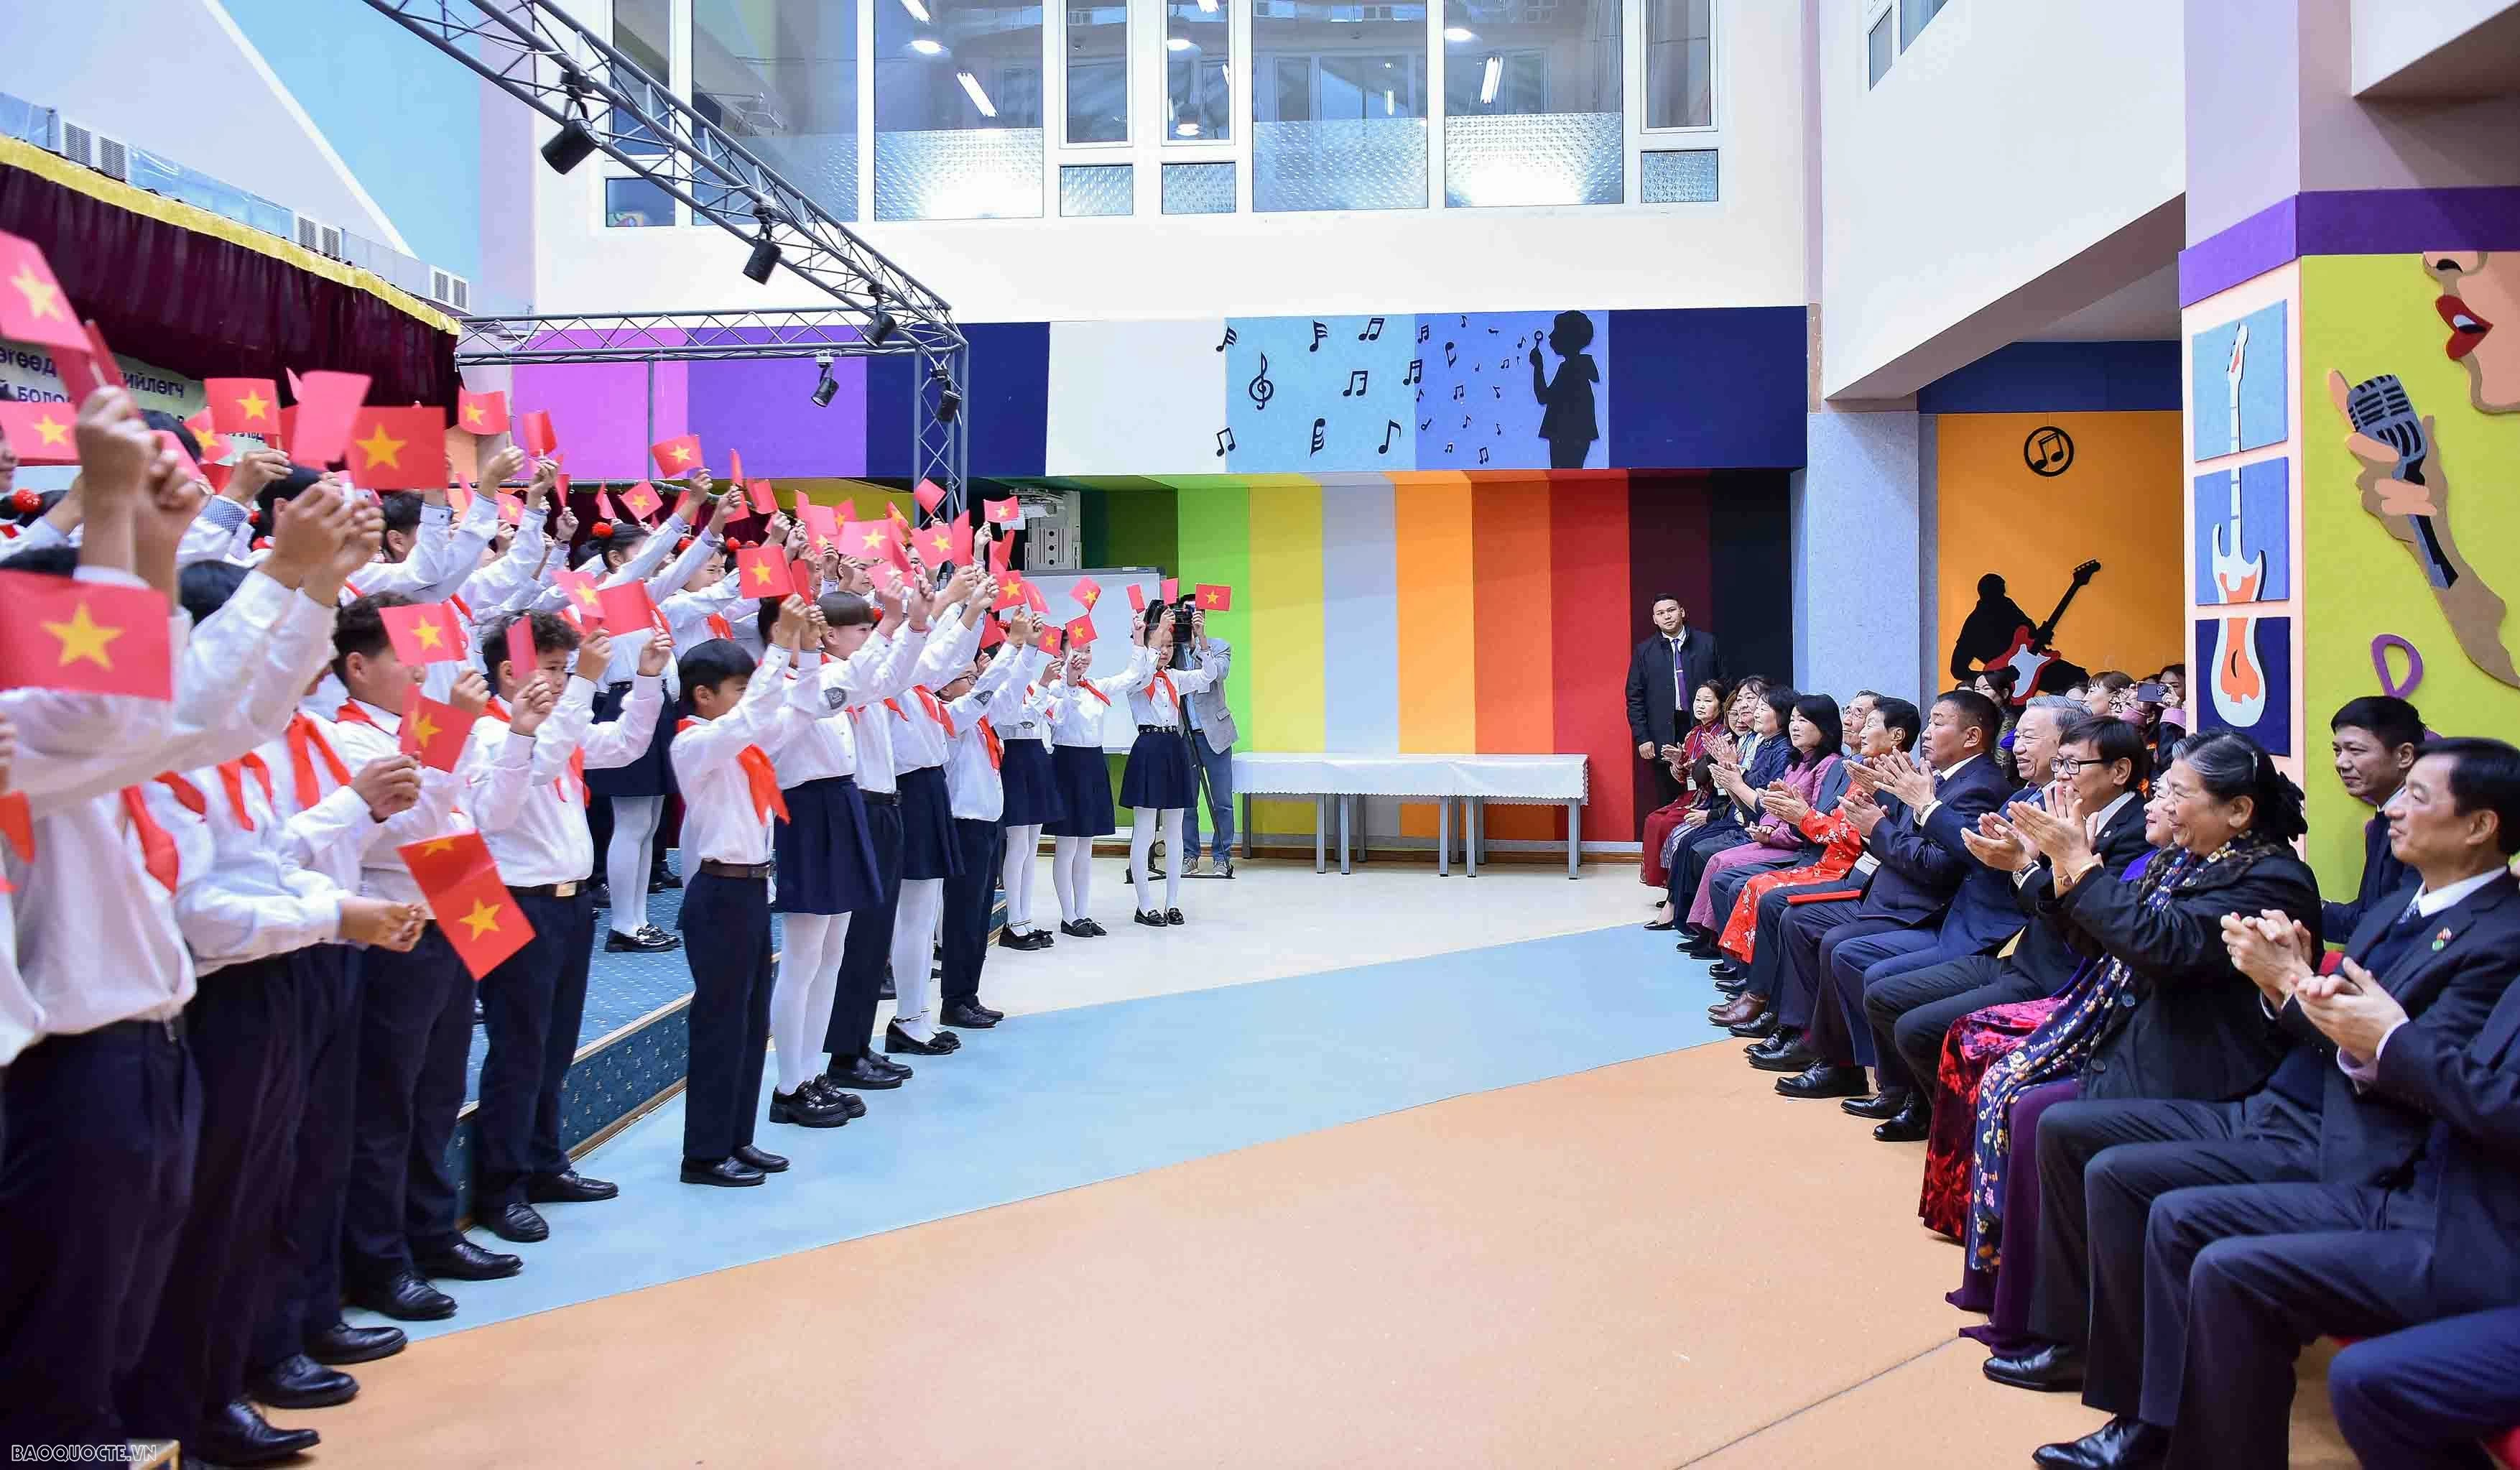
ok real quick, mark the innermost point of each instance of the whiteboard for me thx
(1113, 617)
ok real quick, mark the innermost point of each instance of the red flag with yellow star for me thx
(1213, 598)
(936, 544)
(1005, 512)
(398, 448)
(327, 405)
(764, 497)
(42, 434)
(642, 499)
(423, 632)
(91, 638)
(677, 456)
(205, 433)
(627, 609)
(33, 308)
(244, 406)
(763, 571)
(482, 413)
(540, 441)
(868, 540)
(821, 522)
(470, 900)
(434, 732)
(1087, 592)
(1080, 631)
(930, 499)
(583, 594)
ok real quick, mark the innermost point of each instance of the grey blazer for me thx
(1215, 716)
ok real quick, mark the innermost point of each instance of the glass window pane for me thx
(1912, 16)
(1199, 71)
(640, 29)
(1680, 64)
(784, 80)
(958, 127)
(1199, 188)
(1532, 102)
(1086, 190)
(635, 203)
(1681, 176)
(1877, 51)
(1339, 120)
(1097, 73)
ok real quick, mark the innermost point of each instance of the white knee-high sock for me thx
(1172, 821)
(914, 949)
(1063, 851)
(1142, 842)
(1023, 846)
(1080, 877)
(625, 858)
(801, 1001)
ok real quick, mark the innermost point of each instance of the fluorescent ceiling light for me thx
(1488, 79)
(1208, 6)
(1459, 35)
(1386, 104)
(926, 46)
(1185, 130)
(918, 12)
(980, 99)
(1177, 43)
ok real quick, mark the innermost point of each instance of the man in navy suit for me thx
(2367, 1185)
(2421, 1398)
(2374, 738)
(1663, 674)
(1901, 924)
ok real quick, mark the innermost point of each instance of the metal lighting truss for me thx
(538, 53)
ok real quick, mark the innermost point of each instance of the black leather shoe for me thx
(238, 1435)
(1876, 1107)
(1704, 948)
(852, 1106)
(1910, 1124)
(1731, 982)
(991, 1012)
(1824, 1079)
(405, 1298)
(808, 1107)
(897, 1039)
(2049, 1368)
(2125, 1442)
(761, 1159)
(1660, 925)
(1154, 920)
(662, 879)
(967, 1016)
(863, 1071)
(568, 1188)
(1092, 930)
(465, 1261)
(298, 1381)
(900, 1071)
(725, 1173)
(520, 1223)
(1075, 929)
(1008, 938)
(1174, 916)
(618, 943)
(1763, 1024)
(1790, 1057)
(341, 1345)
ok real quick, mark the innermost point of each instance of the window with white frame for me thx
(1680, 64)
(1532, 102)
(1199, 70)
(784, 80)
(1880, 42)
(958, 124)
(1338, 105)
(1915, 16)
(1098, 73)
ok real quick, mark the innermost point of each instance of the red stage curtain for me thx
(205, 308)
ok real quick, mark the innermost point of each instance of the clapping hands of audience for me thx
(1999, 846)
(1782, 804)
(1861, 811)
(2273, 950)
(2350, 1008)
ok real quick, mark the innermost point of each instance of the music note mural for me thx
(1318, 391)
(1523, 415)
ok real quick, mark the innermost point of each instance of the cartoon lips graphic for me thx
(2466, 328)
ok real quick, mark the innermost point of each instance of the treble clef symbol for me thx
(1261, 389)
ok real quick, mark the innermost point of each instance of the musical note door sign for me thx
(2243, 670)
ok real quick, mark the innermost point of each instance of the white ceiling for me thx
(2146, 312)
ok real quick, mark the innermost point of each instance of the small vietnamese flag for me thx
(1048, 639)
(642, 499)
(846, 510)
(583, 594)
(936, 543)
(1012, 591)
(1088, 592)
(423, 632)
(511, 510)
(932, 500)
(327, 405)
(1137, 598)
(1172, 589)
(460, 495)
(735, 467)
(1213, 598)
(450, 858)
(42, 434)
(90, 637)
(522, 660)
(991, 632)
(1080, 632)
(1002, 553)
(18, 824)
(765, 497)
(84, 373)
(32, 305)
(244, 406)
(167, 441)
(604, 505)
(676, 456)
(867, 540)
(205, 433)
(540, 441)
(627, 609)
(481, 919)
(821, 522)
(1005, 512)
(397, 448)
(764, 573)
(434, 732)
(803, 579)
(482, 413)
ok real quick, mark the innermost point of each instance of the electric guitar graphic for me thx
(2030, 652)
(2239, 684)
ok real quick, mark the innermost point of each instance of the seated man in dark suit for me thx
(2421, 1398)
(1901, 925)
(1909, 1014)
(2338, 1156)
(2374, 738)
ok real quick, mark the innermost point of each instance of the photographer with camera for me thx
(1211, 735)
(1160, 782)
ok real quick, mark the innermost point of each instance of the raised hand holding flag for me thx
(423, 632)
(470, 903)
(434, 731)
(677, 456)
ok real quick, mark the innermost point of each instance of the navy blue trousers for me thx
(414, 1035)
(964, 946)
(866, 950)
(725, 938)
(2421, 1398)
(532, 1007)
(305, 1292)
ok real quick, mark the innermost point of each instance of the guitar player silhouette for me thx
(1998, 633)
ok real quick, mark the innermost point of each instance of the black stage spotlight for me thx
(825, 385)
(569, 147)
(948, 404)
(883, 328)
(765, 257)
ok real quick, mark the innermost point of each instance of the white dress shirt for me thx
(444, 554)
(439, 811)
(22, 1019)
(971, 782)
(917, 739)
(325, 826)
(719, 821)
(529, 808)
(242, 896)
(1076, 714)
(1147, 702)
(2427, 903)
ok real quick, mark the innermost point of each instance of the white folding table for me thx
(1471, 780)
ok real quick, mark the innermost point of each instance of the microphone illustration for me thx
(2379, 407)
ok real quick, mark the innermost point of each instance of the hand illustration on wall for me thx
(2401, 475)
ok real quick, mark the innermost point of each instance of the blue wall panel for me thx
(1710, 389)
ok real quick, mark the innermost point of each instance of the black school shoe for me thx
(648, 940)
(1039, 939)
(897, 1039)
(1075, 929)
(1154, 920)
(1174, 916)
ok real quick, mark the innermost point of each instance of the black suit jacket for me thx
(2052, 948)
(1652, 714)
(1918, 876)
(2195, 1032)
(2382, 875)
(2470, 1088)
(2447, 978)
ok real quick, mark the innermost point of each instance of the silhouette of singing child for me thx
(1567, 418)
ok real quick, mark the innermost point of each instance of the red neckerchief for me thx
(156, 850)
(1166, 679)
(352, 589)
(936, 710)
(894, 706)
(719, 627)
(232, 777)
(759, 775)
(305, 742)
(990, 742)
(18, 824)
(576, 760)
(352, 713)
(1096, 693)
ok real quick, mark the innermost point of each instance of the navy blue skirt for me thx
(1158, 774)
(927, 846)
(826, 860)
(653, 773)
(1084, 791)
(1031, 785)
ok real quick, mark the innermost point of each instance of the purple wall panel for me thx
(762, 407)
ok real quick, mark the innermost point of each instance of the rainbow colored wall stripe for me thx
(1446, 611)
